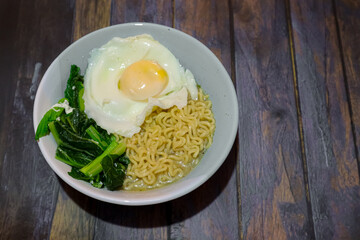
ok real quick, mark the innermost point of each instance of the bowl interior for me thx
(193, 55)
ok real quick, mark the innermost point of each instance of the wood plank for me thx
(90, 16)
(348, 19)
(124, 222)
(211, 211)
(74, 209)
(8, 20)
(73, 218)
(273, 190)
(152, 11)
(28, 187)
(329, 143)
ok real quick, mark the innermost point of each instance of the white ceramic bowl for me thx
(193, 55)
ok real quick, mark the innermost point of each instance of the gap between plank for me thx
(298, 110)
(173, 13)
(356, 143)
(233, 77)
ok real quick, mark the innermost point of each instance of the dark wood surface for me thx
(293, 172)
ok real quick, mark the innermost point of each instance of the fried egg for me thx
(127, 77)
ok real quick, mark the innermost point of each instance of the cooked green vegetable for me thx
(97, 182)
(94, 168)
(103, 139)
(72, 157)
(51, 115)
(94, 155)
(68, 137)
(75, 88)
(114, 171)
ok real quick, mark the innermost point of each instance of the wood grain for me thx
(90, 16)
(329, 146)
(125, 222)
(348, 19)
(122, 222)
(209, 22)
(28, 187)
(8, 14)
(273, 197)
(293, 172)
(74, 214)
(152, 11)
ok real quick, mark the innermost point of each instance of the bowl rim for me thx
(93, 192)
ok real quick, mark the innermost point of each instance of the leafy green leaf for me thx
(123, 159)
(60, 142)
(96, 136)
(114, 172)
(97, 181)
(74, 87)
(79, 122)
(68, 137)
(73, 157)
(51, 115)
(95, 167)
(75, 173)
(83, 144)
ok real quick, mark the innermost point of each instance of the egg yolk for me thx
(143, 79)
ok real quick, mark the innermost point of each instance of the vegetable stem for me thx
(120, 149)
(95, 135)
(95, 167)
(55, 133)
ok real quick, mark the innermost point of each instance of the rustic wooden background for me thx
(293, 172)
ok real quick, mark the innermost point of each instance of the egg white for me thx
(109, 106)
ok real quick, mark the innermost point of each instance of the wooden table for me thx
(293, 172)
